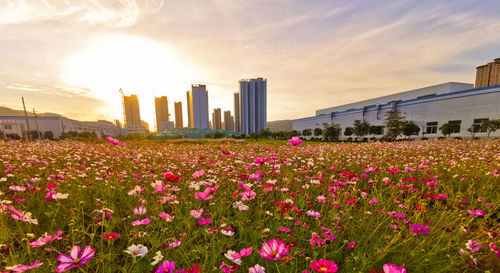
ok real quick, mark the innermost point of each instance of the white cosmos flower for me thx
(136, 250)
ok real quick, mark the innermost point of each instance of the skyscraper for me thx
(237, 121)
(162, 115)
(217, 119)
(488, 74)
(131, 111)
(253, 105)
(188, 109)
(198, 106)
(178, 114)
(228, 121)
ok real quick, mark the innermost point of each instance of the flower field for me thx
(420, 206)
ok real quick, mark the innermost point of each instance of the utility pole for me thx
(27, 122)
(36, 123)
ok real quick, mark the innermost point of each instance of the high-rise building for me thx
(228, 121)
(145, 125)
(198, 106)
(178, 114)
(131, 111)
(488, 74)
(162, 115)
(117, 123)
(237, 121)
(253, 105)
(217, 119)
(188, 109)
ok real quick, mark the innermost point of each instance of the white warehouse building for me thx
(428, 107)
(56, 124)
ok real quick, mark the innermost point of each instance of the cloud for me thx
(119, 13)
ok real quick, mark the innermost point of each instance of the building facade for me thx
(161, 111)
(228, 121)
(428, 107)
(237, 120)
(131, 112)
(488, 74)
(198, 106)
(57, 125)
(253, 105)
(178, 114)
(217, 119)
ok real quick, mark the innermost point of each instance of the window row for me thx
(432, 127)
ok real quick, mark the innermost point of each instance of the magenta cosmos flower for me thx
(419, 229)
(295, 141)
(324, 265)
(22, 268)
(392, 268)
(274, 250)
(75, 258)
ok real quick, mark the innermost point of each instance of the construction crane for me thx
(123, 106)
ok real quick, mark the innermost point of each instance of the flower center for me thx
(274, 253)
(136, 252)
(77, 260)
(323, 269)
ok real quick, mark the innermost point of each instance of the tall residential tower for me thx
(162, 115)
(217, 119)
(253, 105)
(197, 101)
(178, 114)
(237, 120)
(131, 111)
(488, 74)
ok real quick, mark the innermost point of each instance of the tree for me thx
(448, 128)
(393, 123)
(332, 132)
(490, 125)
(409, 128)
(306, 132)
(376, 130)
(318, 132)
(361, 128)
(34, 134)
(295, 133)
(471, 131)
(48, 135)
(348, 131)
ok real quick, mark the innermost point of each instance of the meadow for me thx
(251, 206)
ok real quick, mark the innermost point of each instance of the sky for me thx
(71, 57)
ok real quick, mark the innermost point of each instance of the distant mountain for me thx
(4, 111)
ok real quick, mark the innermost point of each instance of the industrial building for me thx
(428, 107)
(57, 124)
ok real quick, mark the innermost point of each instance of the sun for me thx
(136, 64)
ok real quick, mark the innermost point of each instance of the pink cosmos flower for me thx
(257, 269)
(140, 210)
(174, 244)
(17, 188)
(114, 141)
(392, 268)
(324, 265)
(373, 201)
(196, 213)
(198, 173)
(351, 245)
(228, 268)
(284, 229)
(75, 258)
(205, 221)
(295, 141)
(46, 239)
(419, 229)
(22, 268)
(144, 221)
(111, 235)
(274, 249)
(167, 217)
(476, 212)
(166, 267)
(473, 246)
(244, 252)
